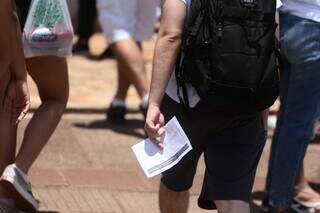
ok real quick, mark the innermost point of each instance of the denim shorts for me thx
(232, 146)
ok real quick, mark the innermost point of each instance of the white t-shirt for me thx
(172, 87)
(308, 9)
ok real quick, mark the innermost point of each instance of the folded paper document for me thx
(154, 160)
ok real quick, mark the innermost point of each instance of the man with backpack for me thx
(215, 70)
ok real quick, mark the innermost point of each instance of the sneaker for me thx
(117, 112)
(18, 184)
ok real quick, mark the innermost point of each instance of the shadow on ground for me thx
(130, 127)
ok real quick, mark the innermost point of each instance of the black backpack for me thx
(229, 54)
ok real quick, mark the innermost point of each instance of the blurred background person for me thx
(126, 25)
(299, 109)
(87, 15)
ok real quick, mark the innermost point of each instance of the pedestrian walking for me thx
(14, 95)
(126, 25)
(50, 73)
(299, 110)
(209, 59)
(87, 14)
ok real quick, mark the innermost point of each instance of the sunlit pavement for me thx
(88, 165)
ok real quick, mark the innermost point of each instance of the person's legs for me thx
(173, 202)
(51, 77)
(130, 58)
(123, 82)
(300, 100)
(176, 182)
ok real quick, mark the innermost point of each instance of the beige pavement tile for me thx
(76, 200)
(138, 202)
(47, 177)
(103, 178)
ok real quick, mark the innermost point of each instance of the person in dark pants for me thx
(87, 15)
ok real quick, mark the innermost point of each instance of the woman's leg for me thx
(51, 77)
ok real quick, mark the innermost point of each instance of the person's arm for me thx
(18, 66)
(166, 51)
(17, 95)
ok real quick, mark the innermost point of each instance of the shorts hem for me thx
(175, 189)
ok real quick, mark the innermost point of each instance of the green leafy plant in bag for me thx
(47, 15)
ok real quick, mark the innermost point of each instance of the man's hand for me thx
(17, 100)
(155, 125)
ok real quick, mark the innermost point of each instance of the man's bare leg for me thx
(232, 206)
(173, 202)
(123, 82)
(129, 55)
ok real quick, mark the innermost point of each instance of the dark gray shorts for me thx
(232, 146)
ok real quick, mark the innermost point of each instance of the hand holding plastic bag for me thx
(48, 30)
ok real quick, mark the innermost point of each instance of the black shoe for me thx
(116, 114)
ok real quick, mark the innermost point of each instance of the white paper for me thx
(153, 160)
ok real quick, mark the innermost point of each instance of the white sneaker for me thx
(18, 184)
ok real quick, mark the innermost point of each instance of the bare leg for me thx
(7, 145)
(232, 206)
(303, 192)
(173, 202)
(129, 55)
(123, 82)
(51, 77)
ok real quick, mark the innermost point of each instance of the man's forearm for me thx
(167, 48)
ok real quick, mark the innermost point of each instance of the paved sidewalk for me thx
(88, 165)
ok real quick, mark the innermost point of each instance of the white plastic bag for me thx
(48, 30)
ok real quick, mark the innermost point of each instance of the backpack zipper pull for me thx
(220, 31)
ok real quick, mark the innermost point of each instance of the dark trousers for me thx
(87, 14)
(23, 9)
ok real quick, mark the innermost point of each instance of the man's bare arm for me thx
(166, 51)
(167, 47)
